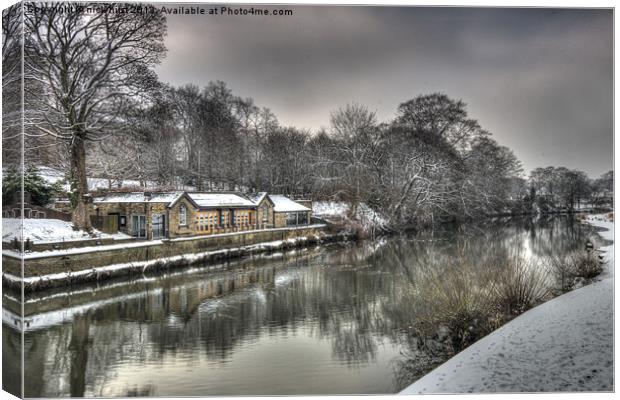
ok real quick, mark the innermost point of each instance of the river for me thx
(323, 320)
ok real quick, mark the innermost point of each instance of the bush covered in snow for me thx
(361, 220)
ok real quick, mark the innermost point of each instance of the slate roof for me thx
(284, 204)
(140, 197)
(209, 200)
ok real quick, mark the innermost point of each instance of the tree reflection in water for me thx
(349, 297)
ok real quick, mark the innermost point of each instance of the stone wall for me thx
(129, 209)
(30, 246)
(265, 213)
(175, 229)
(281, 217)
(147, 251)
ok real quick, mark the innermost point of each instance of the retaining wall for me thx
(79, 259)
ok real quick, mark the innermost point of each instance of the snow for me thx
(365, 215)
(139, 197)
(48, 231)
(257, 197)
(79, 250)
(330, 208)
(284, 204)
(220, 199)
(52, 175)
(565, 344)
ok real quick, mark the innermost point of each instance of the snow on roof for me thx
(284, 204)
(205, 200)
(139, 197)
(257, 197)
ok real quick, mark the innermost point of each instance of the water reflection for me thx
(325, 320)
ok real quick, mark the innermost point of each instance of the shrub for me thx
(560, 267)
(573, 267)
(460, 303)
(520, 286)
(39, 190)
(586, 265)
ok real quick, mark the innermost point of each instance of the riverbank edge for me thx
(96, 274)
(472, 364)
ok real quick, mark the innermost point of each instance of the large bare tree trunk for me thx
(80, 217)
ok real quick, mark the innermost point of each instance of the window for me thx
(291, 218)
(302, 218)
(138, 225)
(182, 215)
(158, 226)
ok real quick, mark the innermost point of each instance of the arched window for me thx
(182, 215)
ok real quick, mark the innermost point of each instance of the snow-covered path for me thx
(565, 344)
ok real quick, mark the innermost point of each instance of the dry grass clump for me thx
(587, 265)
(579, 267)
(468, 303)
(461, 304)
(520, 285)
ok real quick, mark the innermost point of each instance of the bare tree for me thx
(355, 131)
(90, 64)
(11, 85)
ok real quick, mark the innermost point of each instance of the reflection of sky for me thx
(526, 249)
(262, 367)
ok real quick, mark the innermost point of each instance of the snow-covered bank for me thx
(48, 231)
(339, 212)
(565, 344)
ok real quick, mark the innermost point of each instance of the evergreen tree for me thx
(40, 192)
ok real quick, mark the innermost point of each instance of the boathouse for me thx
(151, 215)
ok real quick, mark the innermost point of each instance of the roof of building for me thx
(257, 197)
(140, 197)
(207, 200)
(284, 204)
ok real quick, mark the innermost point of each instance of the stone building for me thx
(143, 214)
(288, 212)
(225, 212)
(175, 214)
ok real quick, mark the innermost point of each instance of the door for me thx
(159, 226)
(138, 226)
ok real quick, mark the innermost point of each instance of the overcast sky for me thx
(539, 79)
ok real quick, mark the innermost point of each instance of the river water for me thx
(325, 320)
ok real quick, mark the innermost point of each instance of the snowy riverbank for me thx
(565, 344)
(49, 231)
